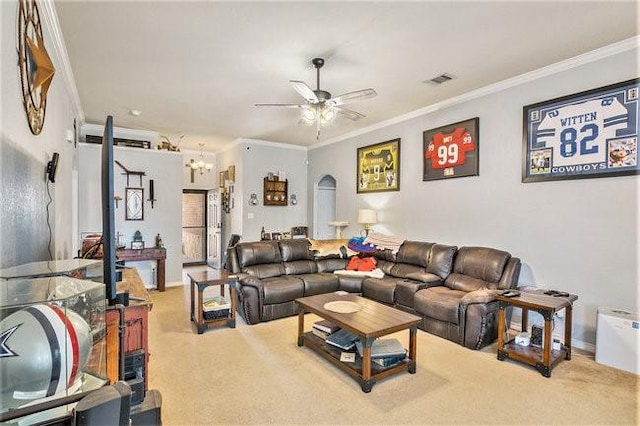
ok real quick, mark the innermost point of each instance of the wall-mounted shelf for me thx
(275, 192)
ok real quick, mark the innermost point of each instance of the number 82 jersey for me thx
(578, 133)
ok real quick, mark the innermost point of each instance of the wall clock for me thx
(36, 69)
(135, 206)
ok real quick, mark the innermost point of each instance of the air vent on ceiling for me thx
(440, 79)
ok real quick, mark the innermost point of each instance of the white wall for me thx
(165, 168)
(253, 159)
(258, 159)
(23, 157)
(579, 236)
(205, 181)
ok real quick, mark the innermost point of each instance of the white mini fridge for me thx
(618, 339)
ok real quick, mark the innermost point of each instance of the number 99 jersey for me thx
(449, 149)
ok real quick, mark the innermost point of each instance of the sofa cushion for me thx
(300, 267)
(425, 277)
(441, 260)
(481, 262)
(331, 264)
(266, 270)
(298, 249)
(415, 253)
(439, 302)
(320, 283)
(282, 289)
(256, 253)
(402, 270)
(465, 283)
(380, 289)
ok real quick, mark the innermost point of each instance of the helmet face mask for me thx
(43, 350)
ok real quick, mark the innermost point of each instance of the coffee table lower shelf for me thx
(354, 369)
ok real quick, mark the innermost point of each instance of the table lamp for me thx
(367, 217)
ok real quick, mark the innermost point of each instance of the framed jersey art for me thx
(378, 167)
(585, 135)
(451, 151)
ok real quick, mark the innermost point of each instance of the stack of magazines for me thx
(385, 352)
(343, 339)
(324, 329)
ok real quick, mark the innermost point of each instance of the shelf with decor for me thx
(275, 192)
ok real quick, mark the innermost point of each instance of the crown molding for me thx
(240, 141)
(567, 64)
(51, 23)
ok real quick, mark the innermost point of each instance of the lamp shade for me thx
(367, 216)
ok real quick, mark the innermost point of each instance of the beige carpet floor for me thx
(258, 375)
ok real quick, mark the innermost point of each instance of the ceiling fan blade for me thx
(304, 91)
(358, 95)
(350, 114)
(279, 105)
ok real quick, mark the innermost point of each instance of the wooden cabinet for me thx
(135, 326)
(275, 192)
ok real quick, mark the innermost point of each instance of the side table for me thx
(543, 359)
(202, 280)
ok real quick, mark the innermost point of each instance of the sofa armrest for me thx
(510, 274)
(250, 280)
(479, 297)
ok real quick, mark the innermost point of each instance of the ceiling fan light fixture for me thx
(327, 115)
(308, 115)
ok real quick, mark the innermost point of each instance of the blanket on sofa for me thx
(331, 248)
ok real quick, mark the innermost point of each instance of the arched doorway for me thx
(324, 210)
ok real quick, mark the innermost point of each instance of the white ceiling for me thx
(197, 68)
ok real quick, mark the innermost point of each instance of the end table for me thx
(202, 280)
(543, 359)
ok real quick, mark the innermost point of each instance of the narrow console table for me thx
(543, 359)
(136, 255)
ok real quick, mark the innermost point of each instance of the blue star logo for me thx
(4, 349)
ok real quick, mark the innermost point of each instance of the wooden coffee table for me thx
(372, 321)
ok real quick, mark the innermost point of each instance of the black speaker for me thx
(134, 374)
(134, 365)
(536, 336)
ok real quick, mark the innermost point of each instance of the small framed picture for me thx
(134, 204)
(137, 245)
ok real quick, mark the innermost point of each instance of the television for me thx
(108, 214)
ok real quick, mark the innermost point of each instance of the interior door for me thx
(214, 229)
(194, 227)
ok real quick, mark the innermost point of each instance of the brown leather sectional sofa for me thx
(450, 288)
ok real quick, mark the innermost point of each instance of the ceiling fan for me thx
(320, 107)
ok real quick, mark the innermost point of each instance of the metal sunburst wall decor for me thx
(36, 68)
